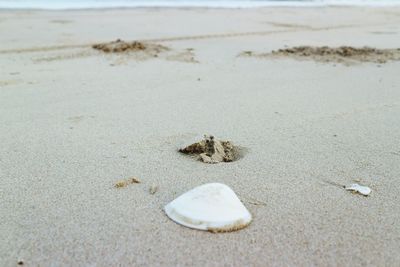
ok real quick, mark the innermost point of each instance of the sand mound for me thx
(144, 50)
(120, 46)
(211, 150)
(342, 54)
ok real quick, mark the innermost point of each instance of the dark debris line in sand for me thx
(342, 54)
(211, 150)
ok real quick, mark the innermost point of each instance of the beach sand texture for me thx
(75, 121)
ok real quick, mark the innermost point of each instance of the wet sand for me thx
(75, 121)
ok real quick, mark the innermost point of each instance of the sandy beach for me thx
(75, 120)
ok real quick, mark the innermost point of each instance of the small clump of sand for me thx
(342, 54)
(126, 182)
(120, 46)
(211, 150)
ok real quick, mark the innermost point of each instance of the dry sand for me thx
(74, 121)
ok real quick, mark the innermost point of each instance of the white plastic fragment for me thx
(212, 207)
(363, 190)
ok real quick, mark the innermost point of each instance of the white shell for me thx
(213, 207)
(363, 190)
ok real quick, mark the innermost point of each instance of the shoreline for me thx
(255, 5)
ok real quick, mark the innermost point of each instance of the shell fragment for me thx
(212, 207)
(363, 190)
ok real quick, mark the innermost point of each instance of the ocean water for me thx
(83, 4)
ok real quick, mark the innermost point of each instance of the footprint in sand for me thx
(383, 32)
(61, 21)
(5, 83)
(76, 119)
(185, 56)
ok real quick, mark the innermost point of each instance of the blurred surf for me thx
(87, 4)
